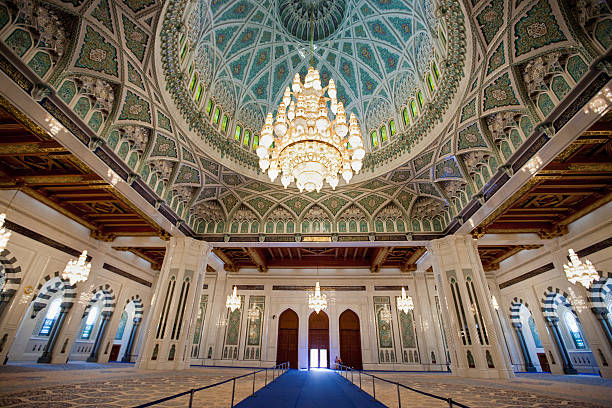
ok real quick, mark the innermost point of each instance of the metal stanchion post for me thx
(266, 380)
(450, 402)
(360, 380)
(254, 383)
(373, 388)
(399, 398)
(233, 391)
(191, 398)
(352, 377)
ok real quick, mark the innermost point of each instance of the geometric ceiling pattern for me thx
(515, 63)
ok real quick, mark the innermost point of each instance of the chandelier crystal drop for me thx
(404, 303)
(578, 272)
(303, 144)
(77, 271)
(4, 233)
(317, 302)
(233, 301)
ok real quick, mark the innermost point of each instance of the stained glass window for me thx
(52, 313)
(224, 123)
(89, 323)
(383, 134)
(121, 327)
(392, 127)
(405, 116)
(572, 326)
(237, 133)
(216, 116)
(374, 139)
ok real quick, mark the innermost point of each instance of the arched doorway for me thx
(318, 340)
(287, 343)
(350, 339)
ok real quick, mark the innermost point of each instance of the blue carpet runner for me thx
(310, 389)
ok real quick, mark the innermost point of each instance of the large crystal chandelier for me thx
(303, 144)
(233, 300)
(578, 272)
(77, 271)
(404, 303)
(317, 301)
(4, 233)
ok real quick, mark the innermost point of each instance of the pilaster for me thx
(474, 340)
(177, 294)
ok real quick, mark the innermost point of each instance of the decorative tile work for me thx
(233, 180)
(470, 138)
(40, 63)
(497, 59)
(371, 202)
(382, 306)
(135, 108)
(260, 204)
(491, 19)
(97, 54)
(537, 29)
(254, 328)
(423, 160)
(469, 110)
(229, 202)
(232, 333)
(499, 93)
(576, 67)
(334, 204)
(82, 107)
(407, 333)
(164, 122)
(257, 186)
(164, 147)
(210, 166)
(135, 39)
(448, 169)
(137, 5)
(67, 91)
(187, 155)
(4, 16)
(134, 76)
(102, 13)
(428, 188)
(187, 175)
(20, 41)
(297, 204)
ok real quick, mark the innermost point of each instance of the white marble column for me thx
(428, 333)
(177, 294)
(467, 310)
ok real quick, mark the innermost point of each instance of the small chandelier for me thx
(5, 234)
(309, 147)
(578, 272)
(317, 301)
(404, 303)
(233, 301)
(77, 271)
(385, 314)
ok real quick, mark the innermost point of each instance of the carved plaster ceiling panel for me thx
(142, 106)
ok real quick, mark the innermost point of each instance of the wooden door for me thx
(350, 339)
(287, 344)
(114, 354)
(544, 362)
(318, 333)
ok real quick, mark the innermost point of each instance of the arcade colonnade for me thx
(176, 317)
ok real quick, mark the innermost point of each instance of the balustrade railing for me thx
(350, 373)
(277, 371)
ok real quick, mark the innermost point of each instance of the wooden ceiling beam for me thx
(35, 180)
(229, 265)
(258, 258)
(31, 148)
(378, 258)
(410, 264)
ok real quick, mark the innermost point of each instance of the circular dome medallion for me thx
(295, 16)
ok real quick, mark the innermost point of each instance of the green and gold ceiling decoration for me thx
(502, 67)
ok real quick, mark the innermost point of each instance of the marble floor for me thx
(122, 385)
(525, 390)
(118, 385)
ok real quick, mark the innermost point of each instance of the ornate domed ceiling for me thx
(380, 53)
(120, 75)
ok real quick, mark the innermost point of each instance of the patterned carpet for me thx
(122, 385)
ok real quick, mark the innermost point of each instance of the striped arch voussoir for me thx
(138, 307)
(597, 294)
(515, 309)
(48, 286)
(12, 272)
(104, 293)
(551, 301)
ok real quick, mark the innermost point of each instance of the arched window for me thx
(405, 116)
(574, 330)
(534, 332)
(413, 109)
(121, 328)
(198, 94)
(209, 107)
(224, 123)
(430, 83)
(89, 323)
(383, 134)
(238, 133)
(255, 141)
(52, 313)
(194, 80)
(374, 139)
(216, 116)
(392, 128)
(247, 138)
(435, 70)
(420, 98)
